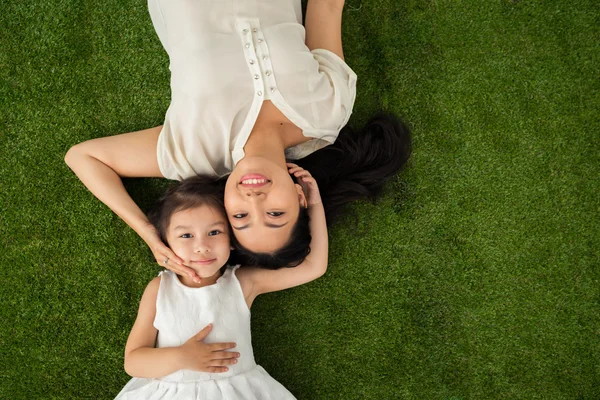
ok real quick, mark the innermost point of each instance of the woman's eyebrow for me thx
(267, 224)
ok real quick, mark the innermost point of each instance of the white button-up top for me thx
(226, 58)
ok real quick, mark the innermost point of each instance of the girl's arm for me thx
(100, 164)
(255, 281)
(143, 360)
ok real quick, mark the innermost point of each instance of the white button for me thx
(245, 31)
(256, 77)
(259, 93)
(254, 30)
(272, 89)
(260, 40)
(264, 58)
(268, 73)
(247, 45)
(251, 62)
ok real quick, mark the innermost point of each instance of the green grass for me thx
(475, 277)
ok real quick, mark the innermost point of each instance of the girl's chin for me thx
(204, 274)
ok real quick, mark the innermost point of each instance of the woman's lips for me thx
(253, 181)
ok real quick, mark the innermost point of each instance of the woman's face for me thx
(262, 203)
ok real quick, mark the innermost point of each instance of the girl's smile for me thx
(204, 262)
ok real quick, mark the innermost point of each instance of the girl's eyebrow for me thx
(188, 227)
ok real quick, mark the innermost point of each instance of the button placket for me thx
(255, 44)
(267, 67)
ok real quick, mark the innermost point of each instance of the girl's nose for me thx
(202, 247)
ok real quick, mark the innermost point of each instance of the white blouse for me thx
(226, 58)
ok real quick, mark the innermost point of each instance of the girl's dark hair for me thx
(188, 193)
(355, 167)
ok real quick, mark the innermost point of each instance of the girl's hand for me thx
(204, 357)
(308, 183)
(166, 258)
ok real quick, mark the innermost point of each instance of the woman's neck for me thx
(267, 142)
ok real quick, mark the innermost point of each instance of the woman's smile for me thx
(251, 181)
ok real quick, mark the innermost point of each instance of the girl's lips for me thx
(204, 262)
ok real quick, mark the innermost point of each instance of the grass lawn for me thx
(476, 276)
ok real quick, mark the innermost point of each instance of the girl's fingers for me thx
(216, 370)
(219, 355)
(221, 346)
(220, 363)
(302, 173)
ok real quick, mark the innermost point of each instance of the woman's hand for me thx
(165, 257)
(199, 356)
(308, 183)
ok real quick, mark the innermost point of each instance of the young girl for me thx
(192, 340)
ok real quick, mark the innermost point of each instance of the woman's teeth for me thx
(253, 181)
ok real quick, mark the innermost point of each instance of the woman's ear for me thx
(301, 196)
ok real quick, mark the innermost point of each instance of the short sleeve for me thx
(342, 78)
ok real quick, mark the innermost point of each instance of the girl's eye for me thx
(214, 233)
(276, 213)
(186, 236)
(238, 216)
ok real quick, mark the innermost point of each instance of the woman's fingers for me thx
(167, 259)
(183, 270)
(172, 256)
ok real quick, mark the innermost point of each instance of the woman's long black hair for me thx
(355, 167)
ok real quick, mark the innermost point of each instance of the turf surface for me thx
(476, 276)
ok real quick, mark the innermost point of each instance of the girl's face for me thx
(262, 203)
(200, 236)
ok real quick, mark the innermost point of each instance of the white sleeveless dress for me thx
(181, 312)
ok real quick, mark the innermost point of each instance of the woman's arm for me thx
(323, 25)
(100, 164)
(255, 281)
(143, 360)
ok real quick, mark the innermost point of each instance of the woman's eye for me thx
(238, 216)
(276, 213)
(186, 236)
(213, 233)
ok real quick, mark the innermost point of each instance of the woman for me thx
(250, 87)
